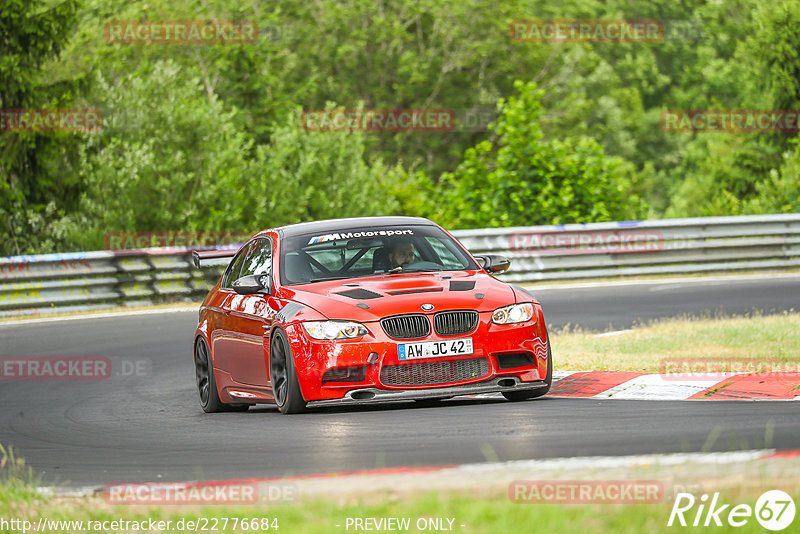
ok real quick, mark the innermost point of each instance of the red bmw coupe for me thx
(365, 310)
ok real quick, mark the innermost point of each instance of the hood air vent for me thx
(360, 294)
(412, 291)
(462, 286)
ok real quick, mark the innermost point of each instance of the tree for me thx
(523, 178)
(306, 175)
(169, 158)
(780, 192)
(36, 182)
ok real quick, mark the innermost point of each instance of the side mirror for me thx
(252, 284)
(494, 263)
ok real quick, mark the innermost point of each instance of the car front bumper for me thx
(314, 358)
(369, 395)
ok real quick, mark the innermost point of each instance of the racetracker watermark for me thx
(586, 31)
(688, 369)
(55, 368)
(197, 239)
(228, 492)
(50, 120)
(585, 491)
(180, 32)
(378, 120)
(71, 368)
(222, 492)
(588, 242)
(475, 119)
(731, 121)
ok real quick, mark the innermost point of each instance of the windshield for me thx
(359, 252)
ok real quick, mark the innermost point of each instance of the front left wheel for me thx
(207, 384)
(535, 393)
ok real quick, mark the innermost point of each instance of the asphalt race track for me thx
(144, 423)
(617, 306)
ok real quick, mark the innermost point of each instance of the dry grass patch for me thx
(771, 338)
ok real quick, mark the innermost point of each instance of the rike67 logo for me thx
(774, 510)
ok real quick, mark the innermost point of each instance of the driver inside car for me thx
(401, 254)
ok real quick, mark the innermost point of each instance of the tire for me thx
(207, 384)
(283, 377)
(535, 393)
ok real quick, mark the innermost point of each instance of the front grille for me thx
(426, 373)
(406, 326)
(454, 323)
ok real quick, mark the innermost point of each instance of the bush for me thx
(524, 179)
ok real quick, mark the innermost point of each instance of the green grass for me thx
(17, 480)
(772, 338)
(490, 515)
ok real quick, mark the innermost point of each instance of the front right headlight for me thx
(334, 329)
(515, 313)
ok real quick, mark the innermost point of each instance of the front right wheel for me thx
(285, 387)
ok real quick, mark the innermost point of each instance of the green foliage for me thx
(525, 179)
(206, 136)
(186, 166)
(732, 174)
(780, 193)
(158, 170)
(33, 184)
(304, 175)
(775, 50)
(721, 172)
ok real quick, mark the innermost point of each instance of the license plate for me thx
(434, 349)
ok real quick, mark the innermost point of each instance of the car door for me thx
(220, 335)
(248, 318)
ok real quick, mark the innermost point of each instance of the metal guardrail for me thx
(83, 281)
(36, 285)
(669, 246)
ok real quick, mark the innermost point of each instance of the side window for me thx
(259, 258)
(446, 257)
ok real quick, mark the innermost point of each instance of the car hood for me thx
(371, 298)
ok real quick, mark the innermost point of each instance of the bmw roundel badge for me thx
(427, 307)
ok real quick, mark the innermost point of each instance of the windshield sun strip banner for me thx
(358, 234)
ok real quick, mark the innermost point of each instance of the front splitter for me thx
(499, 384)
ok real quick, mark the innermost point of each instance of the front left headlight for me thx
(334, 329)
(515, 313)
